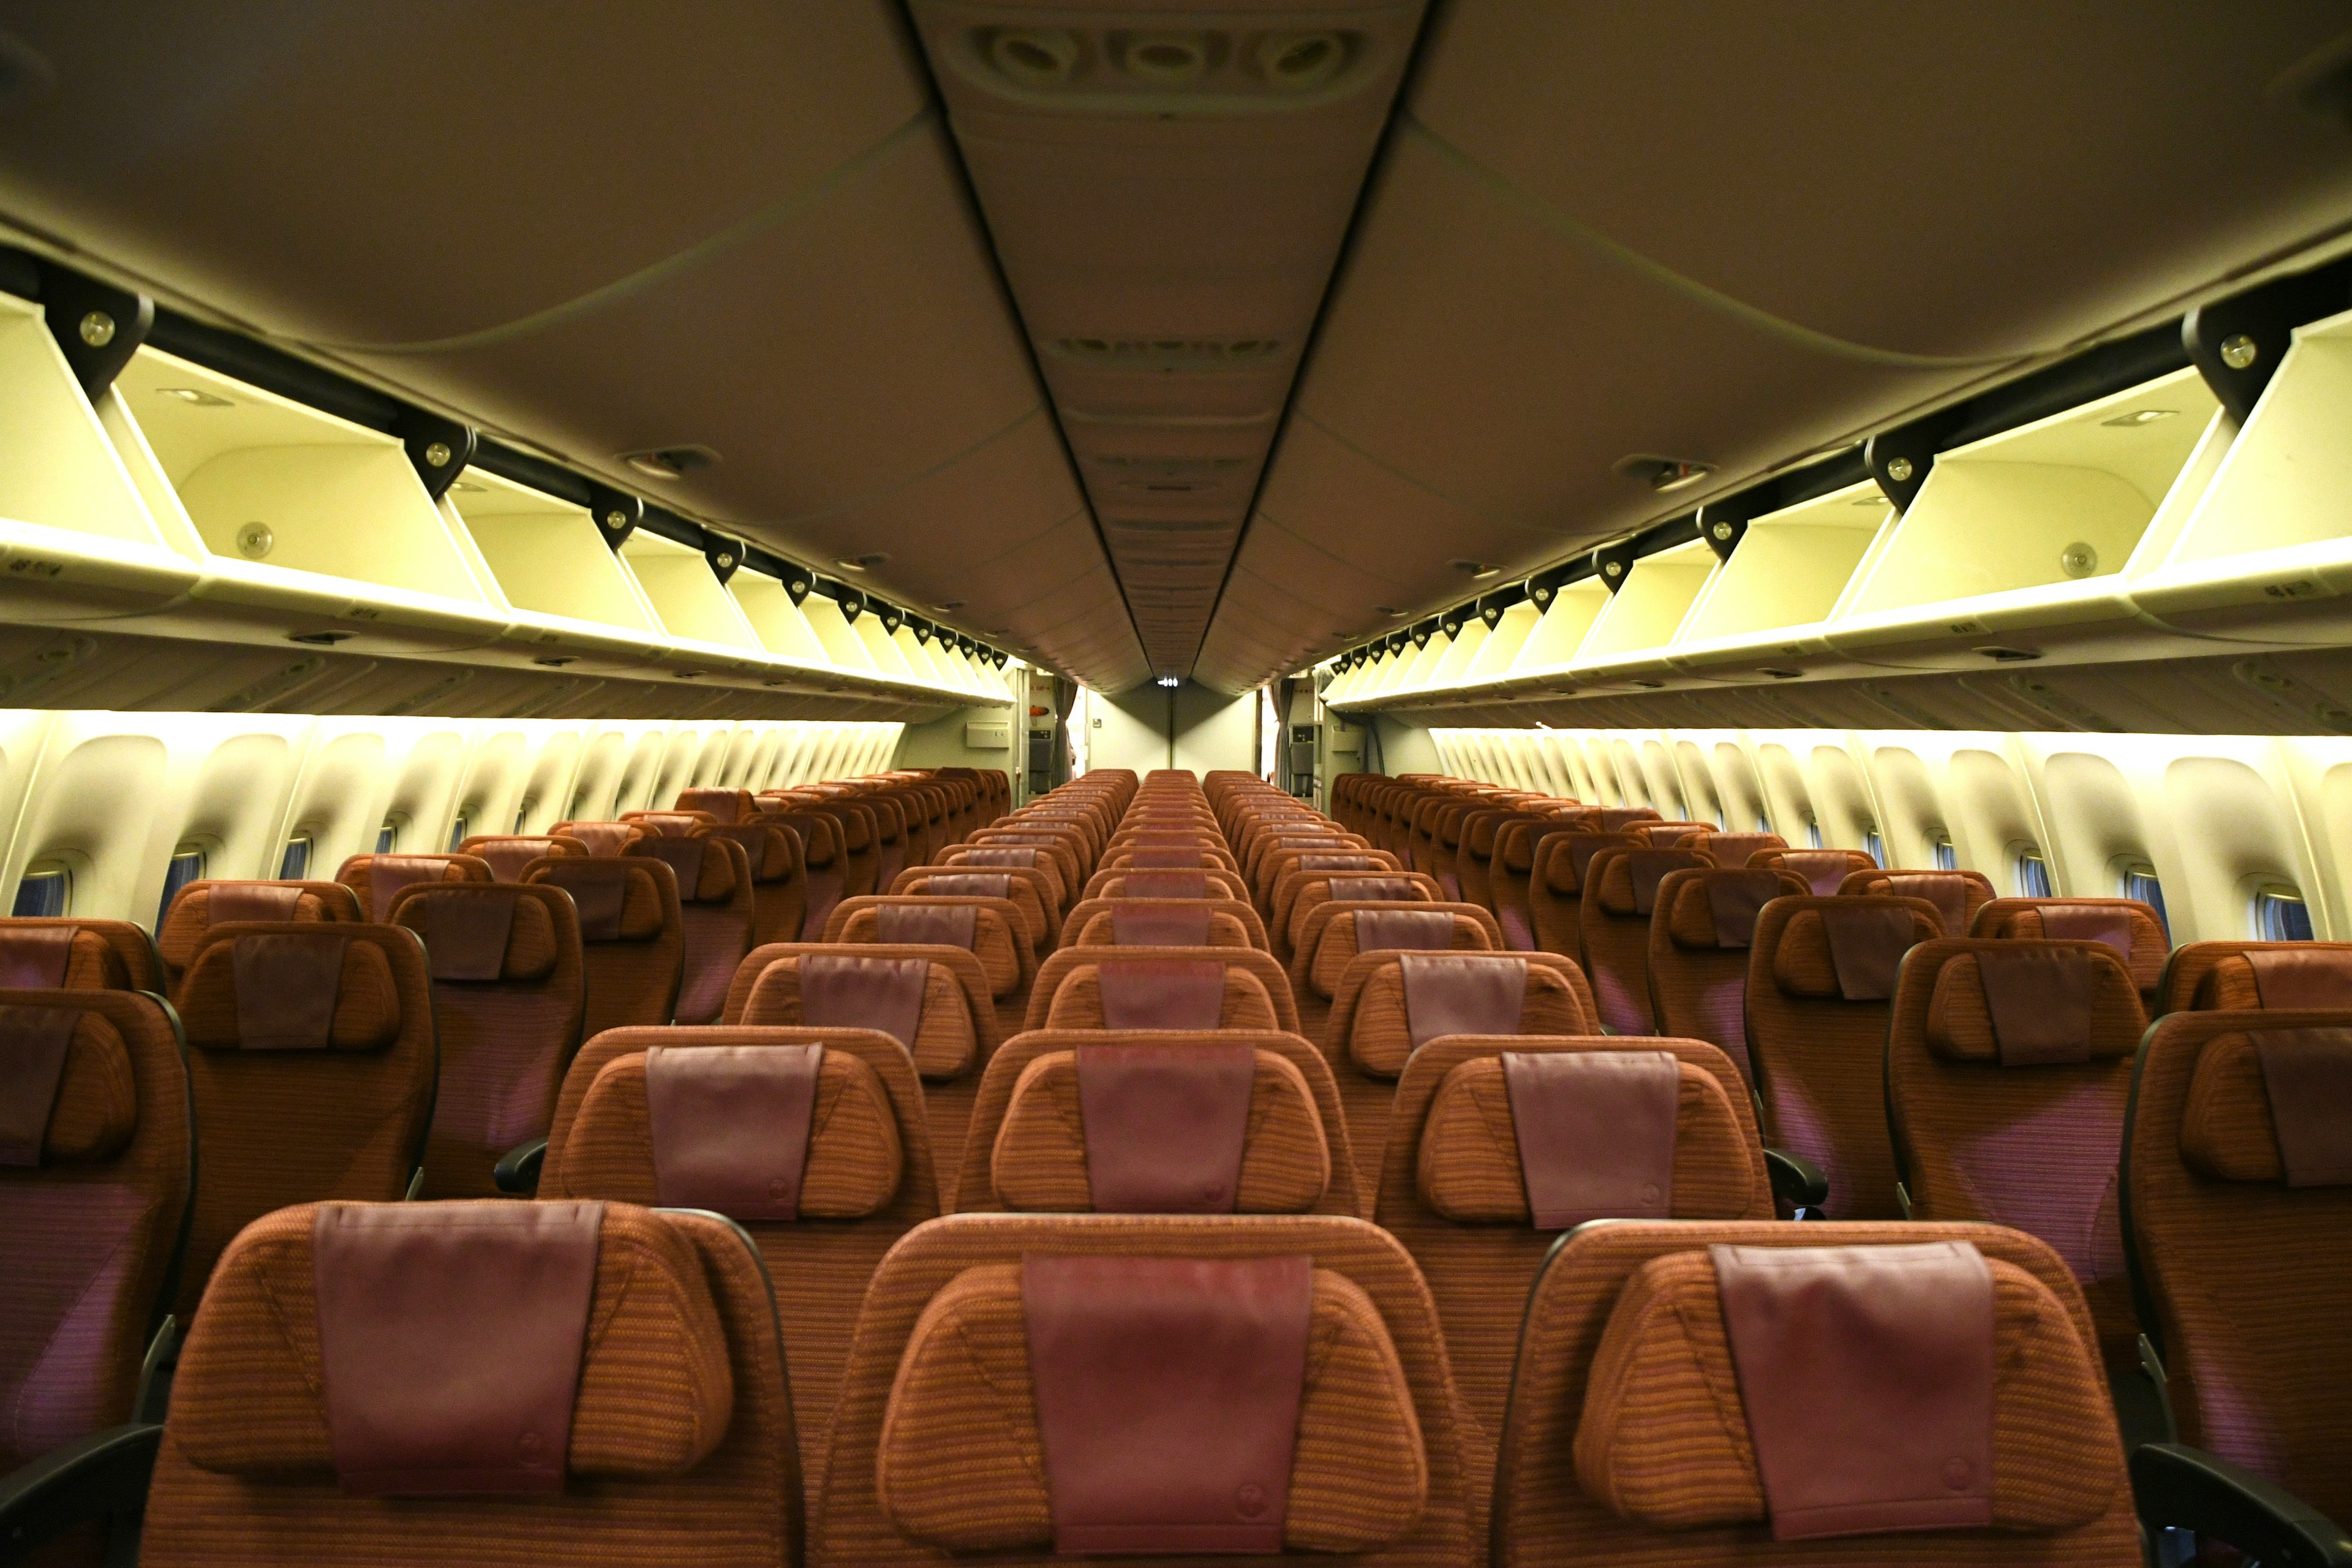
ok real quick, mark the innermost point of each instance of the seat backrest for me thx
(1110, 1121)
(1613, 920)
(1556, 886)
(1063, 848)
(311, 1071)
(1510, 872)
(2009, 1067)
(1701, 929)
(1497, 1145)
(632, 935)
(61, 952)
(2130, 926)
(506, 854)
(670, 823)
(931, 1000)
(717, 911)
(1036, 860)
(1388, 1004)
(1336, 933)
(509, 990)
(1303, 888)
(2243, 977)
(1670, 835)
(1821, 988)
(352, 1351)
(1656, 1381)
(778, 879)
(725, 806)
(1026, 888)
(1167, 994)
(96, 1168)
(603, 839)
(1160, 922)
(2238, 1213)
(201, 906)
(1131, 882)
(377, 877)
(1957, 895)
(1825, 869)
(1732, 851)
(992, 929)
(944, 1402)
(814, 1141)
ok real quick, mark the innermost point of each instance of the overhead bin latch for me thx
(97, 327)
(2237, 344)
(1901, 459)
(616, 514)
(723, 553)
(440, 448)
(1612, 564)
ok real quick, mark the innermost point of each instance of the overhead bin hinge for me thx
(1453, 620)
(893, 618)
(921, 629)
(2237, 344)
(616, 514)
(726, 556)
(1422, 631)
(1612, 564)
(1901, 459)
(97, 327)
(798, 582)
(440, 448)
(851, 601)
(1723, 523)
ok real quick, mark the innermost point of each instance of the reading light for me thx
(2137, 417)
(1170, 681)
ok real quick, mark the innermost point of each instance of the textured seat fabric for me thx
(1821, 985)
(311, 1062)
(994, 935)
(1028, 1145)
(1453, 1190)
(2238, 1266)
(1071, 962)
(2241, 976)
(680, 1442)
(201, 906)
(1825, 869)
(954, 1025)
(1702, 931)
(868, 1178)
(1957, 895)
(1305, 890)
(603, 839)
(1374, 1027)
(507, 854)
(1629, 1436)
(1161, 923)
(41, 953)
(2128, 926)
(936, 1451)
(378, 878)
(1335, 934)
(509, 993)
(1614, 921)
(718, 912)
(632, 935)
(1555, 887)
(93, 1191)
(1983, 1131)
(1056, 891)
(779, 879)
(1030, 892)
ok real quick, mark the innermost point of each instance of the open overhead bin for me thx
(1791, 571)
(1630, 636)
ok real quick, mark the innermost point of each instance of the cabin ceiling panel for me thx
(1946, 179)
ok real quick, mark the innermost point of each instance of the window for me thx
(1722, 824)
(44, 892)
(522, 815)
(295, 864)
(2139, 882)
(1947, 858)
(2033, 875)
(456, 834)
(187, 866)
(2281, 915)
(1873, 846)
(387, 837)
(1763, 823)
(1812, 833)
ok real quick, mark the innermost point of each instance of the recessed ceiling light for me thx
(872, 557)
(192, 395)
(2140, 417)
(1169, 681)
(666, 463)
(1474, 568)
(1663, 473)
(1390, 610)
(950, 604)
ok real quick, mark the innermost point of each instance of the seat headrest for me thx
(2271, 1105)
(705, 868)
(377, 879)
(204, 905)
(1733, 850)
(1710, 909)
(730, 1132)
(1165, 885)
(1825, 869)
(1627, 879)
(1996, 1418)
(926, 923)
(964, 885)
(1957, 895)
(726, 807)
(414, 1347)
(1161, 923)
(669, 824)
(768, 848)
(1461, 994)
(1406, 931)
(1566, 856)
(603, 839)
(619, 899)
(1060, 1388)
(1176, 993)
(502, 931)
(2288, 976)
(2030, 1003)
(59, 956)
(288, 986)
(68, 1093)
(2126, 925)
(1848, 949)
(1191, 1128)
(1009, 856)
(507, 855)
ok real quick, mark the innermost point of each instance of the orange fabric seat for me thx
(201, 906)
(1957, 895)
(779, 879)
(310, 1070)
(1614, 918)
(1632, 1433)
(509, 990)
(1026, 888)
(632, 935)
(508, 854)
(1825, 869)
(2128, 926)
(2247, 976)
(1054, 890)
(717, 910)
(954, 1025)
(1373, 1025)
(996, 935)
(1555, 887)
(1222, 922)
(1082, 966)
(1296, 896)
(54, 952)
(1701, 935)
(377, 880)
(1334, 934)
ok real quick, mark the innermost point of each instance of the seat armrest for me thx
(2180, 1488)
(518, 1171)
(104, 1475)
(1796, 1181)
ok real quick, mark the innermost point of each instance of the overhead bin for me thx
(1791, 571)
(2266, 554)
(567, 593)
(1510, 634)
(689, 603)
(2033, 537)
(1630, 634)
